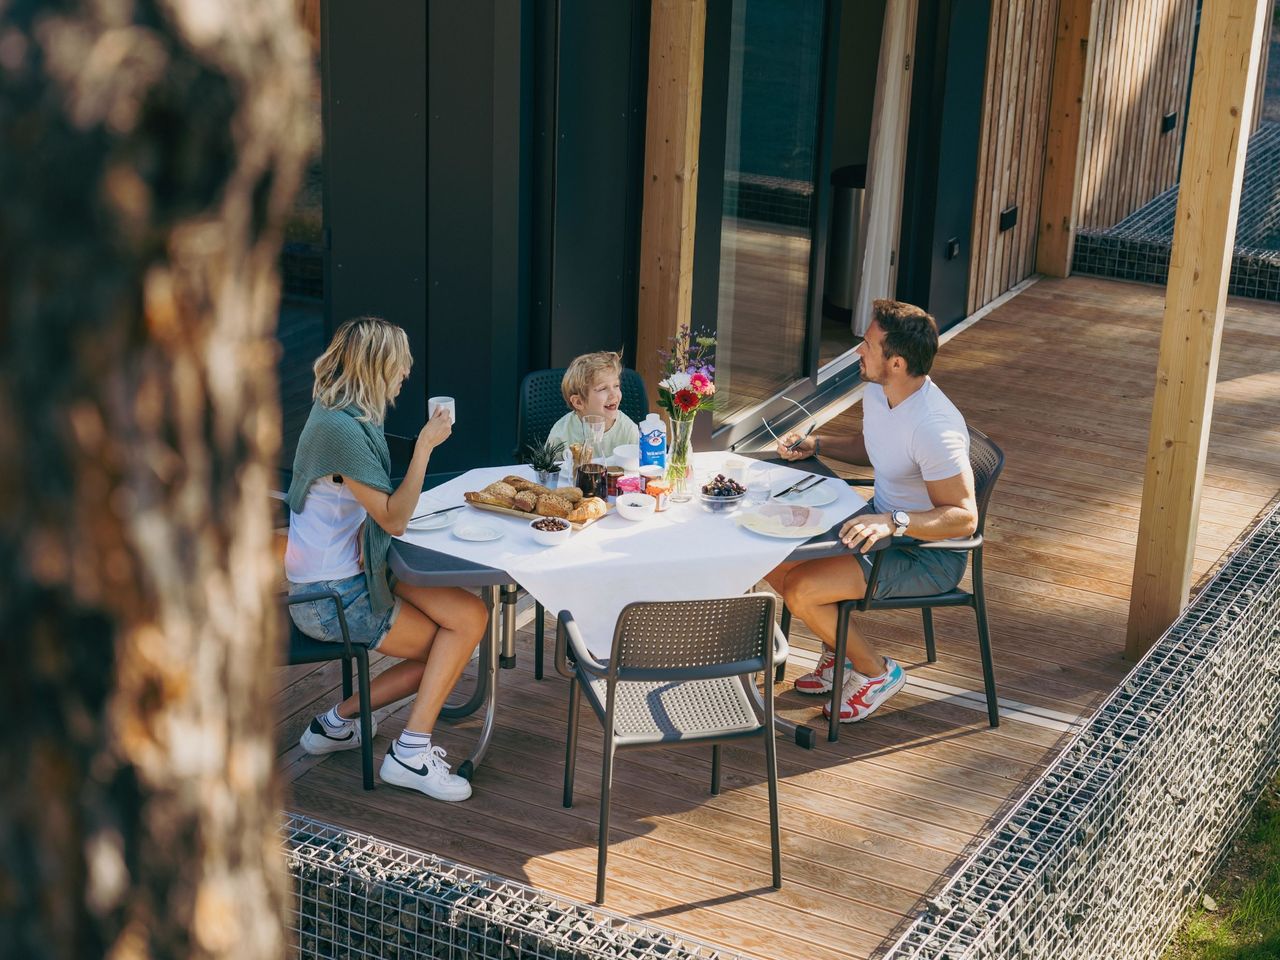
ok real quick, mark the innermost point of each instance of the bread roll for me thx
(536, 489)
(552, 506)
(571, 494)
(525, 500)
(500, 488)
(484, 497)
(590, 508)
(517, 483)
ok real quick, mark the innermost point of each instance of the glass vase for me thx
(680, 460)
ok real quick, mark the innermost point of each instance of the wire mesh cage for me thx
(1121, 831)
(356, 896)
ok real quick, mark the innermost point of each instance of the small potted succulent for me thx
(545, 459)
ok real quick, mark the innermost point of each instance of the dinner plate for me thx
(819, 495)
(437, 522)
(771, 527)
(477, 532)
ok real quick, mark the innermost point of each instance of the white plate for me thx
(476, 532)
(438, 522)
(819, 495)
(769, 527)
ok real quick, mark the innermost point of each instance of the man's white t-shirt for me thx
(922, 438)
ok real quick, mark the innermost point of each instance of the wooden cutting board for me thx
(508, 511)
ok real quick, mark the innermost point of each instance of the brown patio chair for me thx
(987, 460)
(680, 672)
(541, 405)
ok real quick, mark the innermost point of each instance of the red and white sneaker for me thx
(863, 696)
(821, 679)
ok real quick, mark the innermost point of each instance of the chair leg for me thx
(538, 629)
(984, 641)
(930, 650)
(837, 678)
(571, 742)
(715, 770)
(346, 678)
(775, 839)
(606, 786)
(366, 717)
(785, 624)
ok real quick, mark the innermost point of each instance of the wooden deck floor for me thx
(1061, 377)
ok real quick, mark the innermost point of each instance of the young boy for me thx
(592, 386)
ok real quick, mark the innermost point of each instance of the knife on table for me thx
(436, 513)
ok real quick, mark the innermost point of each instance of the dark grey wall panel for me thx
(375, 155)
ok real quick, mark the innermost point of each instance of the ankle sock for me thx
(409, 743)
(334, 722)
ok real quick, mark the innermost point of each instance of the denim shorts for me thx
(912, 572)
(318, 619)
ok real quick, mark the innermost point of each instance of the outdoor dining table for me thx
(682, 553)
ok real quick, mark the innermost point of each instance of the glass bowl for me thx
(724, 505)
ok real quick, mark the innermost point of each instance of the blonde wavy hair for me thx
(581, 374)
(361, 367)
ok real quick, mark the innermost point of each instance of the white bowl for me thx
(627, 456)
(549, 538)
(635, 506)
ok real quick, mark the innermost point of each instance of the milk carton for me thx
(653, 441)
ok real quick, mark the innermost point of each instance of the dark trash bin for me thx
(843, 274)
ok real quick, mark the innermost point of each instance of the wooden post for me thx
(672, 126)
(1222, 91)
(1064, 146)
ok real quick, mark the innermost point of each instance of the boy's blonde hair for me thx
(582, 373)
(361, 366)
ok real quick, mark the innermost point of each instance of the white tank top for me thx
(323, 541)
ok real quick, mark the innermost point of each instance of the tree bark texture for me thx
(149, 150)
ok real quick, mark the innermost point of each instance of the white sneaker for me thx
(426, 772)
(317, 738)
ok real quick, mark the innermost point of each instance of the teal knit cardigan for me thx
(335, 442)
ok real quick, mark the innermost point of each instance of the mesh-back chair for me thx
(541, 405)
(680, 672)
(987, 460)
(303, 649)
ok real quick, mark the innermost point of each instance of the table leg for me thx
(510, 593)
(455, 711)
(802, 735)
(494, 642)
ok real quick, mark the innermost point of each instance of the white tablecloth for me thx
(683, 553)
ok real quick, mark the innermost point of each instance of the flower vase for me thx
(680, 460)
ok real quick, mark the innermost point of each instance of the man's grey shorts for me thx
(318, 619)
(912, 572)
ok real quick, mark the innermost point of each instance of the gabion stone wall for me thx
(356, 896)
(1109, 847)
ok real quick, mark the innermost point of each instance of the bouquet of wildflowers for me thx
(688, 375)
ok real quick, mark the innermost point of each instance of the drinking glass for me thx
(593, 480)
(759, 484)
(594, 427)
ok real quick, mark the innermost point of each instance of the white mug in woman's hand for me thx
(447, 403)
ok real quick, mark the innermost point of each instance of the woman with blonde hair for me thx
(343, 513)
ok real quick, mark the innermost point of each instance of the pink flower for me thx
(701, 383)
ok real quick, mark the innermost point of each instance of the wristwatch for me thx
(901, 520)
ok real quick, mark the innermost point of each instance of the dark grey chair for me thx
(987, 461)
(541, 405)
(680, 672)
(303, 649)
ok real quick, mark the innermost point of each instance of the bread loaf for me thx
(571, 494)
(492, 499)
(525, 500)
(590, 508)
(500, 488)
(552, 506)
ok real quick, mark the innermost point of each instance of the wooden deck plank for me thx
(871, 823)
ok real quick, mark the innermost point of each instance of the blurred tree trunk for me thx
(149, 150)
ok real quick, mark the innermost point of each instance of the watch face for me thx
(901, 519)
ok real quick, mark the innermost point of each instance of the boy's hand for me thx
(436, 430)
(803, 448)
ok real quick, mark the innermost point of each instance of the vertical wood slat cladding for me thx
(1010, 157)
(1142, 62)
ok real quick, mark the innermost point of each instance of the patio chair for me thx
(987, 460)
(541, 405)
(680, 672)
(303, 649)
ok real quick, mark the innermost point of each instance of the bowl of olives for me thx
(721, 494)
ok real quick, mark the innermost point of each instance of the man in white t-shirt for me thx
(918, 443)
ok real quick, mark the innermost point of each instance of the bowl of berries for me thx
(721, 494)
(550, 531)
